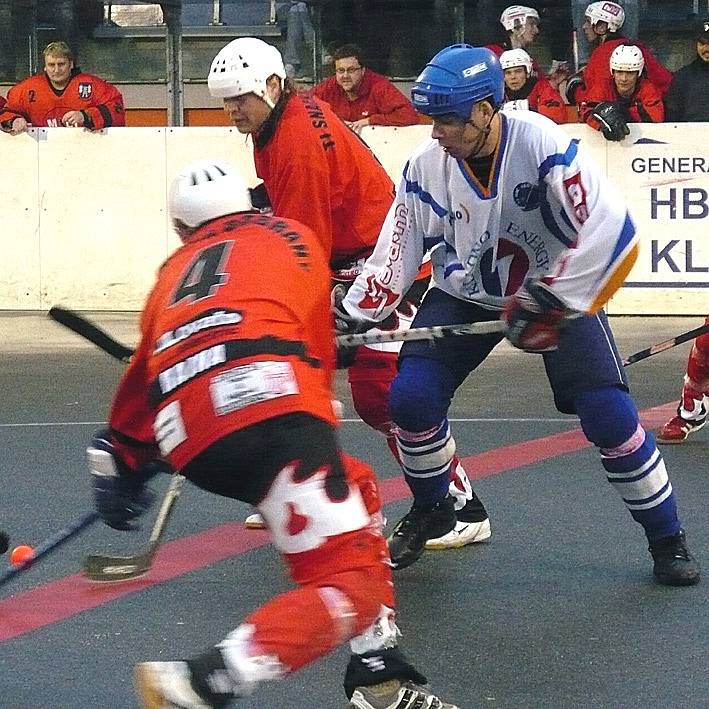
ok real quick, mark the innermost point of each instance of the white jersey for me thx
(549, 213)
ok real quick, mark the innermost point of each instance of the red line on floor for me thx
(61, 599)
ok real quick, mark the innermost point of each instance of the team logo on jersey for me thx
(526, 195)
(85, 90)
(376, 296)
(503, 268)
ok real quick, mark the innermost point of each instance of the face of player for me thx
(462, 139)
(247, 112)
(703, 50)
(515, 78)
(58, 70)
(348, 74)
(529, 32)
(594, 32)
(625, 82)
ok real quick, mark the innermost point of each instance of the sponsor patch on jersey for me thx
(188, 368)
(205, 321)
(250, 384)
(526, 196)
(169, 428)
(85, 90)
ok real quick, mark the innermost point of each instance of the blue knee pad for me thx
(608, 416)
(420, 394)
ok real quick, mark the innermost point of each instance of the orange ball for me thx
(21, 554)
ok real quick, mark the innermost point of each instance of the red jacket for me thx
(542, 97)
(644, 106)
(378, 99)
(40, 104)
(598, 68)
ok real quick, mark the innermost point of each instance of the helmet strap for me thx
(484, 133)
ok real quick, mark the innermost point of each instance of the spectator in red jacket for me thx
(629, 97)
(523, 90)
(360, 96)
(62, 95)
(602, 29)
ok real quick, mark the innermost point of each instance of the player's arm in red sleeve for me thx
(132, 414)
(598, 93)
(392, 107)
(648, 107)
(545, 99)
(301, 191)
(660, 76)
(107, 109)
(15, 107)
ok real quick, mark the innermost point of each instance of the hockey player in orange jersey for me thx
(61, 95)
(231, 385)
(316, 170)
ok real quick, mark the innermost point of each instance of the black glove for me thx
(573, 84)
(120, 494)
(345, 324)
(612, 120)
(535, 317)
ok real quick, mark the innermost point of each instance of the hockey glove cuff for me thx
(535, 318)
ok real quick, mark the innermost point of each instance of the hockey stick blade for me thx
(51, 544)
(422, 333)
(93, 333)
(104, 567)
(666, 345)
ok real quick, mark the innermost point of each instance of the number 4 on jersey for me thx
(205, 273)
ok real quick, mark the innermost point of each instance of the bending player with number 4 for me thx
(231, 385)
(521, 225)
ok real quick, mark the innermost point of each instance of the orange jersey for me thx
(319, 172)
(235, 331)
(40, 104)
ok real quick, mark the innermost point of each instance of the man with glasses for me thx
(360, 96)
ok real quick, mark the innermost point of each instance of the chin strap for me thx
(484, 134)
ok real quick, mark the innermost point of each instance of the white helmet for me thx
(516, 57)
(609, 12)
(243, 67)
(627, 57)
(516, 16)
(205, 190)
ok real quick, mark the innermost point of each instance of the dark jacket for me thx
(688, 95)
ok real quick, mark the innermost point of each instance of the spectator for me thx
(62, 95)
(602, 29)
(688, 95)
(360, 96)
(525, 91)
(583, 43)
(692, 409)
(299, 33)
(628, 97)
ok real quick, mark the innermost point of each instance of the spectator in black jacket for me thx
(688, 96)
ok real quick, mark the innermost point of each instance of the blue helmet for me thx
(456, 79)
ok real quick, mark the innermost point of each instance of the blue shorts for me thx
(587, 357)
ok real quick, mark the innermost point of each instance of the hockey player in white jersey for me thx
(520, 224)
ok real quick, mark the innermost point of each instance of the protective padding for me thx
(420, 395)
(456, 79)
(608, 416)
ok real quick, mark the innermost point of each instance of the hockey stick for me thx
(86, 329)
(421, 333)
(51, 543)
(104, 567)
(666, 345)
